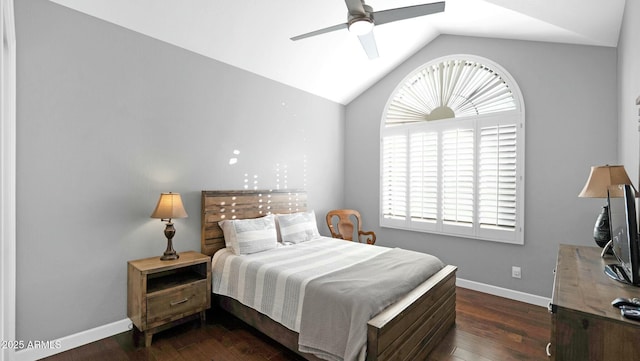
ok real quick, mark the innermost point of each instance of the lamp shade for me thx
(601, 178)
(169, 206)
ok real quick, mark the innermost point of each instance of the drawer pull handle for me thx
(549, 349)
(178, 302)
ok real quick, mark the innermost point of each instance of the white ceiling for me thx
(254, 35)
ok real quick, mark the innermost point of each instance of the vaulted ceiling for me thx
(255, 35)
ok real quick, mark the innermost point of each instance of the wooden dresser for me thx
(584, 325)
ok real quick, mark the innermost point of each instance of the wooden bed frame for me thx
(407, 330)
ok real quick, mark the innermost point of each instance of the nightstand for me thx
(161, 294)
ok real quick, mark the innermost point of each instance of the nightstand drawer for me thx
(176, 302)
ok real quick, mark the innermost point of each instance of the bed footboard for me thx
(410, 328)
(407, 330)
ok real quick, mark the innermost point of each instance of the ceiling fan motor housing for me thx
(361, 23)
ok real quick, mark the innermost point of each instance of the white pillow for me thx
(246, 236)
(298, 227)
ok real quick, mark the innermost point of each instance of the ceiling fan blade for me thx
(355, 7)
(387, 16)
(321, 31)
(368, 42)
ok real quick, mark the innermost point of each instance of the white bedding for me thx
(274, 282)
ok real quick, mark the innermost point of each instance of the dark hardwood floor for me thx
(487, 328)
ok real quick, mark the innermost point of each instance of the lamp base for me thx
(169, 256)
(169, 253)
(601, 230)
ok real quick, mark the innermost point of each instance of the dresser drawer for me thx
(177, 302)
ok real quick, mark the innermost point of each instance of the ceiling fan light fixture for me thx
(361, 26)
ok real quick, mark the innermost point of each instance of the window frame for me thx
(510, 117)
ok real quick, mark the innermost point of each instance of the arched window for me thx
(452, 151)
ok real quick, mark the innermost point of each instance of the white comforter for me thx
(274, 282)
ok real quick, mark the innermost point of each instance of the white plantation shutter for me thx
(497, 183)
(394, 180)
(464, 86)
(458, 177)
(452, 152)
(423, 177)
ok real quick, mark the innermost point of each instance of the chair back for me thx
(348, 221)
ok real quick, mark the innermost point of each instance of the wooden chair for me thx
(345, 226)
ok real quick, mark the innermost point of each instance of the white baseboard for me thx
(503, 292)
(44, 349)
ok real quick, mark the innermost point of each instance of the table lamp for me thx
(169, 206)
(600, 179)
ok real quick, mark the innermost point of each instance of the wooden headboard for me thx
(241, 204)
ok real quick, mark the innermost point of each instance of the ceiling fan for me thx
(361, 19)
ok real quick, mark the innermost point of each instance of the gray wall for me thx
(570, 102)
(629, 90)
(106, 120)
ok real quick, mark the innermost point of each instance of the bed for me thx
(407, 329)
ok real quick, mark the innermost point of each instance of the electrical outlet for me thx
(516, 272)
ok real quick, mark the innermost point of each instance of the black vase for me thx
(601, 230)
